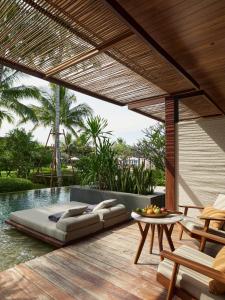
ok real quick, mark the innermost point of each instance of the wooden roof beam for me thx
(78, 59)
(148, 115)
(139, 30)
(146, 102)
(199, 93)
(188, 94)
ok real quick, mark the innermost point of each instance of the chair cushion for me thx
(75, 211)
(195, 223)
(220, 202)
(191, 223)
(194, 283)
(215, 286)
(105, 204)
(210, 211)
(76, 222)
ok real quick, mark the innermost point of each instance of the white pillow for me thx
(72, 212)
(105, 204)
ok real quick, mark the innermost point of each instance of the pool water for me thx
(16, 247)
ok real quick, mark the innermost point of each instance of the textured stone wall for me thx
(200, 157)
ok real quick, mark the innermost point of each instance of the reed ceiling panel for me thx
(157, 110)
(196, 107)
(106, 76)
(44, 34)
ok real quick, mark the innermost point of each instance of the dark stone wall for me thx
(131, 201)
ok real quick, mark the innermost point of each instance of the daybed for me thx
(36, 221)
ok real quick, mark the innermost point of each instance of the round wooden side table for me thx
(164, 225)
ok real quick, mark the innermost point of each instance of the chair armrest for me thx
(209, 236)
(211, 218)
(191, 206)
(195, 266)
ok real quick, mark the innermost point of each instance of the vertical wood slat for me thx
(170, 115)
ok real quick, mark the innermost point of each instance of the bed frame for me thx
(50, 240)
(36, 234)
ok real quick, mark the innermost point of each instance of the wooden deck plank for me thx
(13, 285)
(43, 284)
(96, 268)
(114, 275)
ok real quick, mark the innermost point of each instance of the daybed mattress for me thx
(37, 219)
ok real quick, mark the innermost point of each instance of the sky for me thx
(121, 121)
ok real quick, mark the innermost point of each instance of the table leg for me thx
(168, 236)
(142, 241)
(160, 237)
(152, 237)
(171, 229)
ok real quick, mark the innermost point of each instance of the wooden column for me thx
(170, 119)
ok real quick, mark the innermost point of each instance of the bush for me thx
(159, 176)
(8, 184)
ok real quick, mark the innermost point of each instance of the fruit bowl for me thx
(160, 215)
(152, 211)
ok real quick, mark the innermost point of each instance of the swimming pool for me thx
(16, 247)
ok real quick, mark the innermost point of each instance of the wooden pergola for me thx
(163, 59)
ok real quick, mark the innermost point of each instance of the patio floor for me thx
(99, 267)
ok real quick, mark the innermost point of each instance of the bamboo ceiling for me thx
(85, 46)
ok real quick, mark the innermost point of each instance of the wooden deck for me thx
(99, 267)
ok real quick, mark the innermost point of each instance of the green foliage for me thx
(21, 153)
(101, 170)
(8, 184)
(152, 146)
(123, 150)
(95, 130)
(144, 181)
(124, 180)
(137, 180)
(71, 116)
(159, 176)
(100, 167)
(11, 96)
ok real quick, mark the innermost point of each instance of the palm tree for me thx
(11, 96)
(57, 109)
(71, 117)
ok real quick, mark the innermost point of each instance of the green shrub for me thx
(159, 176)
(8, 184)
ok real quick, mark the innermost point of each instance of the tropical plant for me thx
(124, 180)
(11, 96)
(102, 166)
(71, 116)
(143, 179)
(57, 109)
(95, 130)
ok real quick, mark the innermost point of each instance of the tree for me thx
(11, 96)
(71, 117)
(22, 151)
(78, 146)
(122, 149)
(152, 146)
(57, 109)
